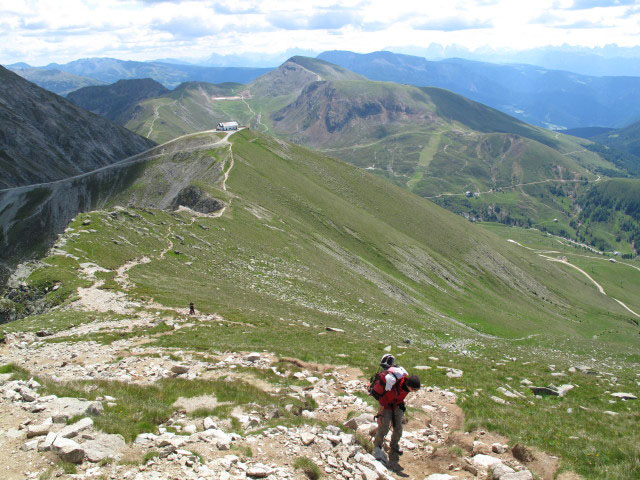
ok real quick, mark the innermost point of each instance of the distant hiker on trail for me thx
(390, 387)
(192, 309)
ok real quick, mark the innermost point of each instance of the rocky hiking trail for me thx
(31, 422)
(34, 434)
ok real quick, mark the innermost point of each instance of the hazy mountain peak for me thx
(296, 73)
(114, 101)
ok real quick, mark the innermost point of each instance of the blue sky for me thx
(43, 31)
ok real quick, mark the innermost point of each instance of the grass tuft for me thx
(310, 469)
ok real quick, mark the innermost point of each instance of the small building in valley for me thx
(227, 126)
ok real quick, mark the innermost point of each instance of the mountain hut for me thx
(227, 126)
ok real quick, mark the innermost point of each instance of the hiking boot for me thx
(397, 450)
(379, 455)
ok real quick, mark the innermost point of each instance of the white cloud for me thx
(40, 31)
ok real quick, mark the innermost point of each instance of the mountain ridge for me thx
(45, 137)
(115, 101)
(549, 98)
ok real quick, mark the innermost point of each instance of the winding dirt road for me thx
(566, 262)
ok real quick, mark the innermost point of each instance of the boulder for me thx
(500, 470)
(362, 419)
(218, 437)
(523, 475)
(209, 423)
(179, 369)
(71, 431)
(485, 461)
(190, 429)
(522, 453)
(48, 441)
(95, 409)
(367, 473)
(508, 393)
(545, 391)
(253, 357)
(28, 395)
(624, 396)
(39, 430)
(307, 438)
(30, 446)
(146, 439)
(480, 447)
(68, 450)
(440, 476)
(103, 446)
(564, 389)
(258, 471)
(498, 448)
(65, 408)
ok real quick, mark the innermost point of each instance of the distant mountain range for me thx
(549, 98)
(110, 70)
(555, 99)
(608, 60)
(54, 80)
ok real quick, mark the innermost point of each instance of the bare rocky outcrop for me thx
(196, 199)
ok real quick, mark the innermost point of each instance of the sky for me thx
(42, 31)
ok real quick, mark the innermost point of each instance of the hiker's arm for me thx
(379, 415)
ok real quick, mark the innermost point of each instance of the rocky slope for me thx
(190, 447)
(116, 101)
(31, 217)
(44, 137)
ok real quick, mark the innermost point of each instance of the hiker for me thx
(192, 308)
(392, 406)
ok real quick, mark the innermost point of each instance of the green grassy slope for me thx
(626, 139)
(335, 226)
(433, 142)
(307, 242)
(610, 215)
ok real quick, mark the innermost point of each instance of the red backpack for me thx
(377, 384)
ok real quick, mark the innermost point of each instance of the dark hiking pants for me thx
(390, 418)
